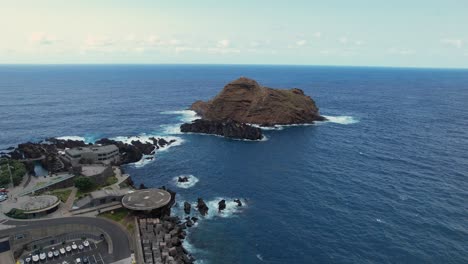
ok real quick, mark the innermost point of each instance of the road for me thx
(119, 237)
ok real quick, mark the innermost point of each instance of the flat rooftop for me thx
(96, 149)
(146, 200)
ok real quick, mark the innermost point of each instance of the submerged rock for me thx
(238, 201)
(226, 128)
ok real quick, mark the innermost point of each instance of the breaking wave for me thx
(146, 138)
(343, 120)
(192, 180)
(183, 116)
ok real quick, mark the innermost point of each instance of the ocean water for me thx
(384, 181)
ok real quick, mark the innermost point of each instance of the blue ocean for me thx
(385, 180)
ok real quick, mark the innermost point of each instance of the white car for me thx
(42, 256)
(80, 247)
(86, 243)
(78, 261)
(56, 253)
(62, 251)
(3, 198)
(27, 259)
(74, 246)
(50, 254)
(35, 258)
(68, 248)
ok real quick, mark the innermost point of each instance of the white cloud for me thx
(358, 42)
(98, 41)
(301, 42)
(458, 43)
(225, 43)
(42, 38)
(400, 51)
(343, 40)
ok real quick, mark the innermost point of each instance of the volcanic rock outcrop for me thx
(227, 128)
(243, 102)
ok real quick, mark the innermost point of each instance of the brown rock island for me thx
(244, 102)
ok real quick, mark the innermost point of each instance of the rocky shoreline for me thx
(228, 129)
(47, 152)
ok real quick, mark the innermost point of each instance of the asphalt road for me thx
(120, 240)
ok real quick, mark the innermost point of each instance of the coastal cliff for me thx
(245, 101)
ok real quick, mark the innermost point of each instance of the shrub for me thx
(84, 184)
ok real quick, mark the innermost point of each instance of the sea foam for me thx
(146, 138)
(183, 116)
(192, 180)
(343, 120)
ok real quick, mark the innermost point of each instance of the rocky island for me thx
(244, 102)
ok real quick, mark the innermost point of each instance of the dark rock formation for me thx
(183, 179)
(245, 101)
(187, 208)
(202, 207)
(238, 201)
(227, 128)
(221, 205)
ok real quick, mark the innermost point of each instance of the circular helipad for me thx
(146, 200)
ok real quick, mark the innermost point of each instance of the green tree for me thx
(84, 183)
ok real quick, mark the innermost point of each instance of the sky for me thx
(397, 33)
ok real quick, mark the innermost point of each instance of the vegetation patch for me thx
(16, 213)
(62, 194)
(111, 180)
(121, 216)
(18, 170)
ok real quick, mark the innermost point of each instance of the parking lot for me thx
(94, 252)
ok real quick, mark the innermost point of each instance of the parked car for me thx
(80, 247)
(74, 246)
(56, 253)
(50, 254)
(42, 256)
(86, 243)
(35, 258)
(85, 260)
(68, 248)
(78, 261)
(3, 198)
(62, 251)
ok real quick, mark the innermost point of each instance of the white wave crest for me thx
(259, 256)
(184, 115)
(192, 180)
(232, 209)
(146, 138)
(343, 120)
(76, 138)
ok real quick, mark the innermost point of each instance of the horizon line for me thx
(232, 64)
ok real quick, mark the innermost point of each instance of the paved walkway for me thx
(65, 209)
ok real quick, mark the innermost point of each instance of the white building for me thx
(93, 154)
